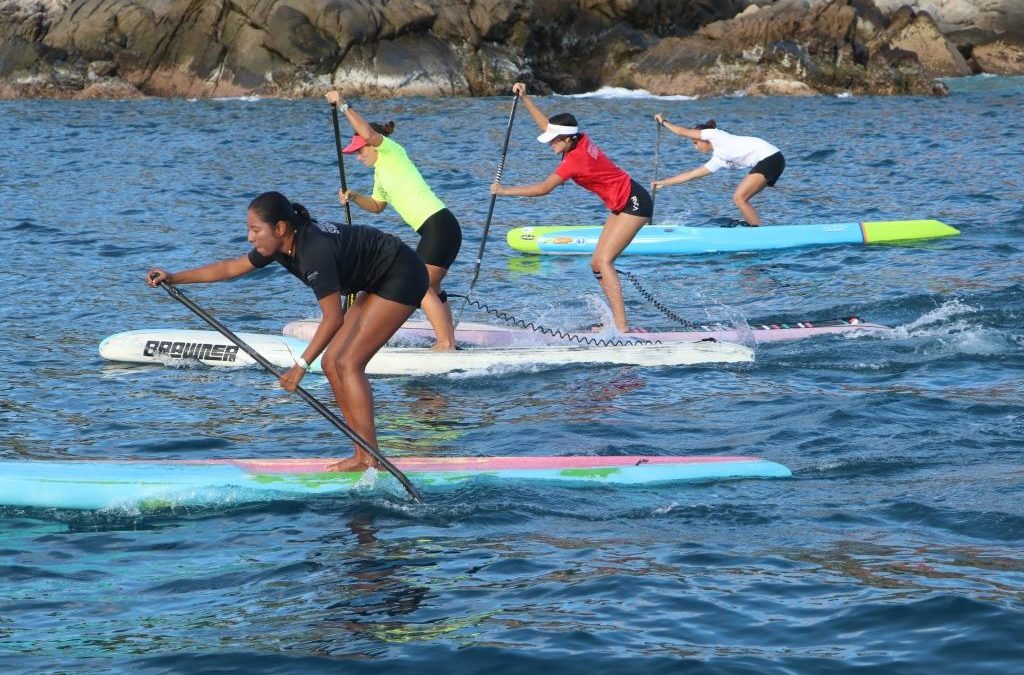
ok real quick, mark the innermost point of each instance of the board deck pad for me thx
(155, 484)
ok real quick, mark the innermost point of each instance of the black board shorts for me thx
(771, 167)
(639, 202)
(440, 239)
(406, 281)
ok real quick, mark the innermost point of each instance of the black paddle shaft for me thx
(654, 190)
(341, 158)
(306, 396)
(349, 299)
(490, 211)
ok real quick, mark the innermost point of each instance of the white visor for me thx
(556, 130)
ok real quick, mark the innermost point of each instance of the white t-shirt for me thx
(735, 152)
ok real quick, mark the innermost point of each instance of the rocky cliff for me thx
(200, 48)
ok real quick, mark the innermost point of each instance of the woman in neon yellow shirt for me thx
(398, 182)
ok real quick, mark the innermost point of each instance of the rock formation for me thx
(201, 48)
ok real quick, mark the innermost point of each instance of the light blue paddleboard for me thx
(150, 484)
(680, 239)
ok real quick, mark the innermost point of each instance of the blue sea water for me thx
(894, 548)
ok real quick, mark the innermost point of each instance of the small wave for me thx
(940, 315)
(950, 327)
(662, 510)
(862, 466)
(985, 83)
(819, 155)
(992, 525)
(623, 93)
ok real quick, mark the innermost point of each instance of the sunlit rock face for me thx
(291, 48)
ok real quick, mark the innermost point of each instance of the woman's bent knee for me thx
(330, 367)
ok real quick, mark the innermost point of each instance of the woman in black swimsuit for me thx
(334, 262)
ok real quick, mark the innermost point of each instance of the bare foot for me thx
(350, 464)
(444, 347)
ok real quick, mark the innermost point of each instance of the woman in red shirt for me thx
(584, 163)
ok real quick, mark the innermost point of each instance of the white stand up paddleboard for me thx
(172, 346)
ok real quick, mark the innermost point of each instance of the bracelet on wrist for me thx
(301, 362)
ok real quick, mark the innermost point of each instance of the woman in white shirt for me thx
(764, 160)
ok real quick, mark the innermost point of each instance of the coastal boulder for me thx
(828, 47)
(1001, 56)
(951, 16)
(917, 32)
(201, 48)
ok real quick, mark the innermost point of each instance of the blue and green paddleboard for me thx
(680, 239)
(154, 484)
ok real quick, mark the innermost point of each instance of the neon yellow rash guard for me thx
(397, 181)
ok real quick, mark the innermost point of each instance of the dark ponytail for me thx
(273, 207)
(383, 129)
(301, 218)
(710, 124)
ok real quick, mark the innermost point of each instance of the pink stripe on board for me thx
(496, 336)
(317, 465)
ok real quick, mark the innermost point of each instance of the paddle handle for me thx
(306, 396)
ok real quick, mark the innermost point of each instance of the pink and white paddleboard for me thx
(488, 335)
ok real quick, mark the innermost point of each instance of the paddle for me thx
(657, 146)
(490, 211)
(306, 396)
(348, 299)
(341, 158)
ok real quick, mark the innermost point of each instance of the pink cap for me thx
(353, 147)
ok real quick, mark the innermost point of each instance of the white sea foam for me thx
(941, 320)
(368, 480)
(662, 510)
(245, 99)
(623, 93)
(950, 327)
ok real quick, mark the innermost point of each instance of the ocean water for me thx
(896, 547)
